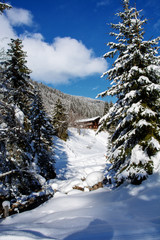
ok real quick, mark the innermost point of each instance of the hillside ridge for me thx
(76, 106)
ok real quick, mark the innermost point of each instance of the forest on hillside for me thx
(77, 107)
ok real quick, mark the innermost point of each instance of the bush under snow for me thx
(94, 178)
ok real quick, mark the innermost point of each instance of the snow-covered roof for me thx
(88, 119)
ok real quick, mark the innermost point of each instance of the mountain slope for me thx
(76, 106)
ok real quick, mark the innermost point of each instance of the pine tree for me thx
(135, 80)
(42, 139)
(12, 137)
(26, 146)
(16, 173)
(59, 120)
(18, 93)
(4, 6)
(18, 76)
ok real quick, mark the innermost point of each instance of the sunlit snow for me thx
(19, 115)
(126, 213)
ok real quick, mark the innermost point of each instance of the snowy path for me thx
(81, 154)
(127, 213)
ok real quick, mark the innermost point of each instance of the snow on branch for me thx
(2, 175)
(4, 6)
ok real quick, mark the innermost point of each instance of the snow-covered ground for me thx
(82, 154)
(127, 213)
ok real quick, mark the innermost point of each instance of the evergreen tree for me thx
(18, 93)
(12, 136)
(4, 6)
(59, 120)
(42, 139)
(26, 146)
(15, 175)
(136, 84)
(17, 76)
(15, 168)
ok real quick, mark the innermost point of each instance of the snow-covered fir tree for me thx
(15, 171)
(4, 6)
(18, 92)
(18, 76)
(42, 139)
(18, 173)
(135, 77)
(59, 120)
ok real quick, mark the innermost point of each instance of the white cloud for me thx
(95, 88)
(13, 17)
(157, 25)
(103, 3)
(64, 59)
(6, 29)
(19, 16)
(60, 62)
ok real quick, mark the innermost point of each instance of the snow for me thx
(155, 143)
(68, 185)
(19, 115)
(156, 161)
(41, 179)
(5, 204)
(148, 112)
(144, 80)
(94, 178)
(130, 95)
(154, 68)
(88, 119)
(3, 126)
(153, 87)
(138, 155)
(136, 107)
(142, 123)
(83, 153)
(128, 212)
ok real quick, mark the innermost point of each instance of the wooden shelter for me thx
(92, 123)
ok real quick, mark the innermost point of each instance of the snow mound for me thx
(6, 204)
(70, 184)
(19, 115)
(74, 191)
(54, 186)
(94, 178)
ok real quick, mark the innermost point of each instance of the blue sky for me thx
(65, 39)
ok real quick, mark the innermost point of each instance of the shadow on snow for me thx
(97, 230)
